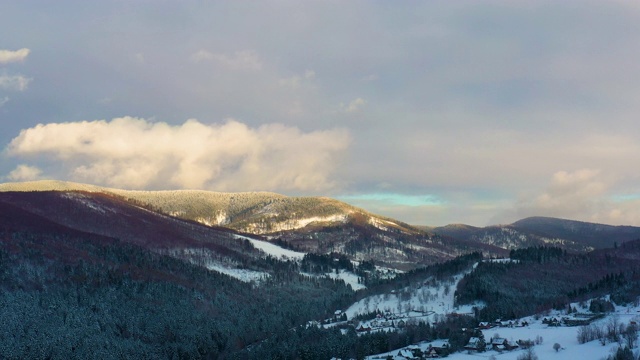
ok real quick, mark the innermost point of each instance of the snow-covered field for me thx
(432, 296)
(348, 277)
(274, 250)
(244, 275)
(565, 336)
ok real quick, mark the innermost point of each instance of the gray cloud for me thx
(476, 103)
(585, 194)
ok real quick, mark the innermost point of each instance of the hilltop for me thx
(309, 224)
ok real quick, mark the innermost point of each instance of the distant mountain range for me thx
(251, 212)
(91, 270)
(323, 225)
(536, 231)
(309, 224)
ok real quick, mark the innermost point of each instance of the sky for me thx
(431, 112)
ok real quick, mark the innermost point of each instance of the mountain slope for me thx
(108, 216)
(537, 231)
(310, 224)
(83, 275)
(597, 236)
(253, 212)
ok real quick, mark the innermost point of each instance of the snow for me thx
(88, 202)
(293, 224)
(240, 274)
(273, 250)
(348, 277)
(565, 336)
(432, 296)
(381, 224)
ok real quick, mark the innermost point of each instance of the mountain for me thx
(594, 235)
(100, 275)
(252, 212)
(109, 216)
(551, 277)
(89, 275)
(309, 224)
(537, 231)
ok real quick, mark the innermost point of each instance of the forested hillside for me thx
(541, 278)
(70, 294)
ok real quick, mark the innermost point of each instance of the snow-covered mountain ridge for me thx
(544, 231)
(308, 224)
(252, 212)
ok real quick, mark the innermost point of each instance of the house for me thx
(406, 354)
(501, 344)
(431, 353)
(474, 344)
(510, 345)
(484, 325)
(363, 328)
(439, 348)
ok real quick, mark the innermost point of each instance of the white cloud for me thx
(135, 153)
(24, 173)
(355, 105)
(4, 101)
(14, 82)
(240, 60)
(8, 56)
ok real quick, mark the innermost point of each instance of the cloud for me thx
(355, 105)
(8, 56)
(135, 153)
(139, 57)
(240, 60)
(585, 195)
(24, 173)
(14, 82)
(295, 81)
(3, 101)
(567, 194)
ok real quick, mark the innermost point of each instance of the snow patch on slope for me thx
(292, 224)
(219, 219)
(433, 297)
(87, 202)
(349, 278)
(244, 275)
(381, 224)
(272, 249)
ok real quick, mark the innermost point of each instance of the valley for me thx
(131, 278)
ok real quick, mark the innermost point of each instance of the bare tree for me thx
(528, 354)
(631, 335)
(556, 347)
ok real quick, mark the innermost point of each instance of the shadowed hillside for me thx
(310, 224)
